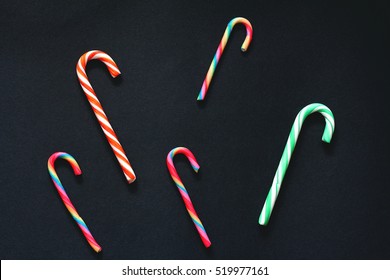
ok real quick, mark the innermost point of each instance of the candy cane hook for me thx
(183, 192)
(65, 198)
(98, 109)
(289, 149)
(221, 47)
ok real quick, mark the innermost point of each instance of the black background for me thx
(335, 199)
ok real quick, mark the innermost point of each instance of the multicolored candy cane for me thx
(65, 198)
(289, 149)
(221, 47)
(183, 192)
(98, 109)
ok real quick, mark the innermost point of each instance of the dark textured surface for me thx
(335, 199)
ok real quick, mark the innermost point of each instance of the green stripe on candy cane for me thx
(289, 149)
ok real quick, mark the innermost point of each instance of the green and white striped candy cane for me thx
(289, 149)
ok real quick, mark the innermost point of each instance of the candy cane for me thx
(221, 47)
(65, 198)
(289, 149)
(183, 192)
(98, 109)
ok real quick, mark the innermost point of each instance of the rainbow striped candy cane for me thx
(183, 192)
(98, 109)
(289, 149)
(221, 47)
(65, 198)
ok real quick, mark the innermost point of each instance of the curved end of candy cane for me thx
(70, 159)
(112, 67)
(245, 45)
(196, 168)
(329, 126)
(195, 165)
(76, 168)
(248, 40)
(78, 172)
(326, 137)
(115, 74)
(249, 31)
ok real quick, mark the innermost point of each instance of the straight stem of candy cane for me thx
(221, 47)
(68, 204)
(98, 109)
(183, 191)
(289, 149)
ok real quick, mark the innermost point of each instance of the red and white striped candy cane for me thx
(98, 109)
